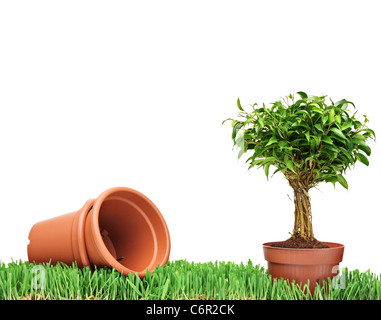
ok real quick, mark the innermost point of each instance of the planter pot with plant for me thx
(310, 141)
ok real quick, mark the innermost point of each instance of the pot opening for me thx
(127, 233)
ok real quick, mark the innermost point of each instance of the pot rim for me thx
(332, 246)
(304, 256)
(99, 241)
(78, 235)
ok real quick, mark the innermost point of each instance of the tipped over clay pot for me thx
(303, 264)
(121, 229)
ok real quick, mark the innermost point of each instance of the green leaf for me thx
(331, 154)
(365, 148)
(256, 162)
(360, 143)
(342, 181)
(324, 119)
(362, 158)
(241, 152)
(236, 127)
(327, 140)
(331, 116)
(270, 159)
(333, 180)
(331, 147)
(319, 127)
(317, 139)
(302, 94)
(248, 120)
(318, 110)
(261, 122)
(346, 153)
(358, 136)
(314, 104)
(346, 125)
(338, 119)
(282, 144)
(305, 112)
(267, 166)
(271, 141)
(338, 132)
(227, 120)
(276, 171)
(343, 104)
(370, 131)
(289, 163)
(239, 105)
(307, 134)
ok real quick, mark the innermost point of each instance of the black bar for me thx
(190, 309)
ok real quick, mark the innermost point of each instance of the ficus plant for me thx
(308, 139)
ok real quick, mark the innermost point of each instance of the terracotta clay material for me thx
(302, 264)
(121, 229)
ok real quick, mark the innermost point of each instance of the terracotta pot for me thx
(121, 229)
(303, 264)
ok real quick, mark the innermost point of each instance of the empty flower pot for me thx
(121, 229)
(302, 265)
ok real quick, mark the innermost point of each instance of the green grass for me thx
(176, 280)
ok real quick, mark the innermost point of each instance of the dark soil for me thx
(300, 243)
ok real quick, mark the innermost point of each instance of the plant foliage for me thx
(308, 139)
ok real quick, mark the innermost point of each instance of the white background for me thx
(97, 94)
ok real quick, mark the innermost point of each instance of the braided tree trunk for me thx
(303, 216)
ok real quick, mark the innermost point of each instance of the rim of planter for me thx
(78, 235)
(332, 245)
(304, 256)
(104, 251)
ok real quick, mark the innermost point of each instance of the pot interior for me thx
(127, 233)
